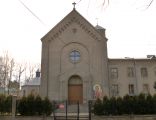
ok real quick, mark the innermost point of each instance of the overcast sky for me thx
(130, 27)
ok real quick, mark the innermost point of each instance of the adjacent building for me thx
(32, 86)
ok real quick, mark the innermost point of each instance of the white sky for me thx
(130, 29)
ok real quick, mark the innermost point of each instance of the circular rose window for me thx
(74, 56)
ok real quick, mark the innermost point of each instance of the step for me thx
(70, 118)
(83, 108)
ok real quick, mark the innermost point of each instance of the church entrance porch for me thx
(75, 90)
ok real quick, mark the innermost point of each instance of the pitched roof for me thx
(34, 81)
(76, 17)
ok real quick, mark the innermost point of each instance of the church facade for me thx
(75, 65)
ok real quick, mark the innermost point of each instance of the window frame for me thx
(74, 56)
(114, 73)
(131, 89)
(115, 90)
(130, 72)
(144, 72)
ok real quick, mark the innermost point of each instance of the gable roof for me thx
(76, 17)
(34, 81)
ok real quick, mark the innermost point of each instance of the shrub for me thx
(98, 107)
(2, 100)
(22, 107)
(106, 105)
(139, 105)
(5, 104)
(38, 105)
(8, 104)
(149, 104)
(47, 106)
(31, 105)
(119, 106)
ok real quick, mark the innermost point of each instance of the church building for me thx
(75, 65)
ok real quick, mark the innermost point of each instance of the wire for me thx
(31, 12)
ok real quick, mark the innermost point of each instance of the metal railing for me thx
(63, 106)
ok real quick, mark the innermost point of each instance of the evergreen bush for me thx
(98, 107)
(38, 105)
(2, 100)
(8, 104)
(47, 106)
(5, 104)
(30, 106)
(140, 105)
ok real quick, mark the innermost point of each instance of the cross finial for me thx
(74, 5)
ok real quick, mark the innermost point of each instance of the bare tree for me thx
(20, 69)
(2, 81)
(11, 69)
(30, 71)
(6, 69)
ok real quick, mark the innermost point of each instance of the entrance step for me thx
(83, 108)
(72, 116)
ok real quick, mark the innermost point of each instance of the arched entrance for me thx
(75, 90)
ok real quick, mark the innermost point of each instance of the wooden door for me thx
(75, 94)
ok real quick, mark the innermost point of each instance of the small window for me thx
(131, 89)
(144, 72)
(145, 88)
(130, 72)
(115, 90)
(114, 73)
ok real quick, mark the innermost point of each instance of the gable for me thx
(73, 16)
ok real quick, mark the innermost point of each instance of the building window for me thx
(131, 89)
(114, 73)
(144, 72)
(115, 90)
(130, 72)
(145, 88)
(74, 56)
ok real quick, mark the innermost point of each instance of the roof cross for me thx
(74, 4)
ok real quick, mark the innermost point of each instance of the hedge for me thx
(30, 106)
(5, 104)
(138, 105)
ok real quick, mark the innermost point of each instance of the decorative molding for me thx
(74, 30)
